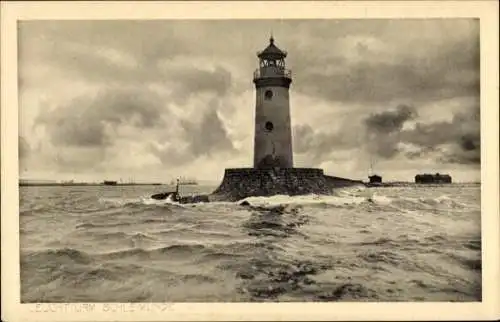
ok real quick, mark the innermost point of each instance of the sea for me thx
(115, 244)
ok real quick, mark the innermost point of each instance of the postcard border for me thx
(486, 11)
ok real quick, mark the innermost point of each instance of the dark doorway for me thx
(269, 126)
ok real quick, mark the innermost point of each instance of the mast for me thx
(370, 170)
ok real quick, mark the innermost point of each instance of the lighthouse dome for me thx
(272, 52)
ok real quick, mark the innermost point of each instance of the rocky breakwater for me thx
(240, 183)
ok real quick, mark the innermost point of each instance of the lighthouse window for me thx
(268, 94)
(269, 126)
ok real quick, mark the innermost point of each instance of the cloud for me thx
(383, 130)
(186, 82)
(390, 121)
(94, 125)
(89, 121)
(78, 158)
(320, 145)
(460, 138)
(208, 136)
(205, 137)
(385, 82)
(422, 60)
(456, 141)
(395, 132)
(316, 144)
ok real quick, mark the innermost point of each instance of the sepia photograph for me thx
(304, 160)
(261, 160)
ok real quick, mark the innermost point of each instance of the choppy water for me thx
(113, 244)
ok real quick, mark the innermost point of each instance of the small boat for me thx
(174, 195)
(374, 181)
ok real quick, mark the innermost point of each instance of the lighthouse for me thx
(273, 172)
(273, 132)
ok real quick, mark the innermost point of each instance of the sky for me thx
(153, 100)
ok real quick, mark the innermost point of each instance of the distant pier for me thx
(78, 184)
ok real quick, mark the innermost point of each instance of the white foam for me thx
(138, 201)
(304, 200)
(443, 198)
(349, 196)
(381, 200)
(120, 201)
(151, 201)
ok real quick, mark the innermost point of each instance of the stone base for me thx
(241, 183)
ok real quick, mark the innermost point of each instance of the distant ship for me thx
(110, 183)
(374, 180)
(184, 181)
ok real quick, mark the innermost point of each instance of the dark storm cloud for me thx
(379, 133)
(410, 58)
(390, 121)
(100, 50)
(461, 136)
(316, 144)
(319, 144)
(422, 70)
(461, 157)
(122, 53)
(120, 68)
(383, 135)
(83, 121)
(383, 129)
(382, 82)
(205, 137)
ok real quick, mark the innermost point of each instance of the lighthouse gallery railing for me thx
(268, 72)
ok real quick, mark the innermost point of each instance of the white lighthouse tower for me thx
(273, 133)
